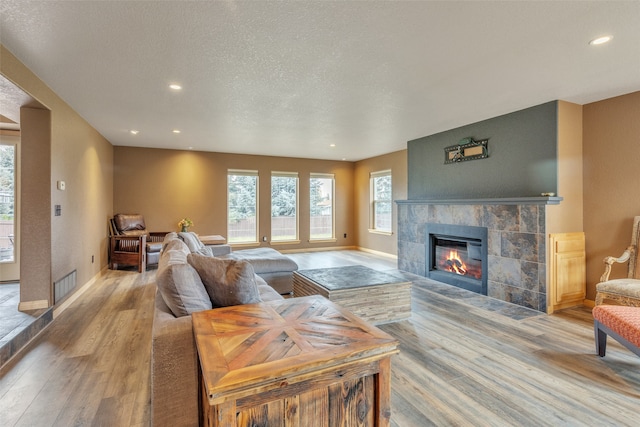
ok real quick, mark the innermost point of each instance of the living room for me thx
(168, 184)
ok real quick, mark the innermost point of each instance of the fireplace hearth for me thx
(457, 255)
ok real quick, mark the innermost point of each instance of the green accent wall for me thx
(522, 158)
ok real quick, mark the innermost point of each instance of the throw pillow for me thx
(176, 245)
(181, 287)
(194, 244)
(228, 282)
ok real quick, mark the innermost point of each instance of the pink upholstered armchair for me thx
(131, 244)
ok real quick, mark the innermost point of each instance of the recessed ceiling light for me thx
(176, 131)
(600, 40)
(332, 145)
(133, 132)
(175, 86)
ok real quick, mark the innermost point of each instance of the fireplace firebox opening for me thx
(457, 255)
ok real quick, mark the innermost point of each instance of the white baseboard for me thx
(323, 249)
(382, 254)
(32, 305)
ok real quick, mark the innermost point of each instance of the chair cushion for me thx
(154, 247)
(624, 320)
(180, 284)
(129, 223)
(622, 287)
(228, 282)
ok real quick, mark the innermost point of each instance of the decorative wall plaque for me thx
(466, 149)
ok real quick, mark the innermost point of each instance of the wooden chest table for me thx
(296, 362)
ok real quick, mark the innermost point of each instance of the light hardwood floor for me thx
(465, 360)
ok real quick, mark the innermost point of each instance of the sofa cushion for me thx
(267, 293)
(179, 283)
(194, 244)
(228, 282)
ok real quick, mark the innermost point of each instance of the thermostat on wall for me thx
(61, 185)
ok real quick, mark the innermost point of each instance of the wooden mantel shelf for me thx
(491, 201)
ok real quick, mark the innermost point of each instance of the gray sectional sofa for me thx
(276, 269)
(174, 360)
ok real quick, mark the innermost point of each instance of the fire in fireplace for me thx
(457, 255)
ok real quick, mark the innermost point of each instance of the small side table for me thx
(214, 239)
(296, 362)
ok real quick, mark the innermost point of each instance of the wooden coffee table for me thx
(375, 296)
(294, 362)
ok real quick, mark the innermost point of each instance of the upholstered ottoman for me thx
(620, 322)
(276, 269)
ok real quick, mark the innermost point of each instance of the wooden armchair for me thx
(624, 291)
(131, 244)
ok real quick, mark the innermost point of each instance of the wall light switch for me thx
(61, 185)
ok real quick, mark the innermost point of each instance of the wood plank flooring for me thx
(464, 360)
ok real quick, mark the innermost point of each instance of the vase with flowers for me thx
(184, 224)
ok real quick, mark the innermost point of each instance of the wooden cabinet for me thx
(567, 270)
(303, 362)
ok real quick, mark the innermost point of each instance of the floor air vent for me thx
(63, 286)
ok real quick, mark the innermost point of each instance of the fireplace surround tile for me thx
(522, 246)
(516, 244)
(502, 217)
(505, 270)
(529, 275)
(529, 219)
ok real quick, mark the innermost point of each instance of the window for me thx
(7, 202)
(242, 202)
(381, 201)
(321, 187)
(284, 206)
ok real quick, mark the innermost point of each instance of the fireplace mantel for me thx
(493, 201)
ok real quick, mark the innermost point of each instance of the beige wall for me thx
(167, 185)
(397, 162)
(84, 160)
(567, 217)
(611, 149)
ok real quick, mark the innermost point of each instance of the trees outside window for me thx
(321, 189)
(242, 202)
(381, 201)
(284, 206)
(7, 202)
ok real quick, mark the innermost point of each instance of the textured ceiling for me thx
(291, 78)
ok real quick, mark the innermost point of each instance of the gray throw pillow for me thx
(194, 244)
(228, 282)
(180, 286)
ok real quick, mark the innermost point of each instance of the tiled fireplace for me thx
(516, 252)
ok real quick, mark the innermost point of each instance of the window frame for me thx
(333, 207)
(296, 238)
(373, 176)
(244, 172)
